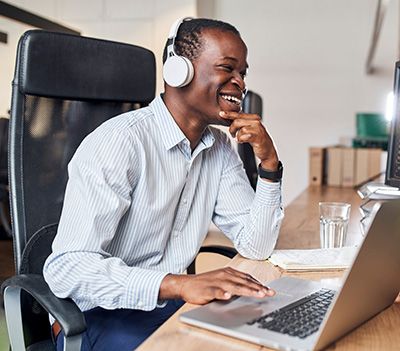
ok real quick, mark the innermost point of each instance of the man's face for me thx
(218, 83)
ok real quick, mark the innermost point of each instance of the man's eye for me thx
(227, 68)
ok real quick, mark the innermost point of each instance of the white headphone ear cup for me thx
(190, 70)
(178, 71)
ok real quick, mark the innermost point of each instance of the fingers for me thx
(246, 124)
(221, 294)
(243, 275)
(222, 284)
(245, 135)
(239, 115)
(240, 120)
(248, 128)
(247, 288)
(242, 284)
(250, 278)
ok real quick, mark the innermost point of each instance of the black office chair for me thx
(5, 225)
(252, 103)
(64, 87)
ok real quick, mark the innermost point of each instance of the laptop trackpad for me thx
(239, 310)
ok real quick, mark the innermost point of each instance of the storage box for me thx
(334, 164)
(316, 165)
(348, 167)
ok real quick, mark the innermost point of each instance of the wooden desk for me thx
(300, 229)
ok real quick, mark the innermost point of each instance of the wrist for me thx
(271, 174)
(271, 165)
(172, 285)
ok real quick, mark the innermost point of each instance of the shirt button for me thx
(184, 201)
(140, 304)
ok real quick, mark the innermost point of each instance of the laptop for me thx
(309, 315)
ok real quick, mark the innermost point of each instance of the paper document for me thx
(314, 259)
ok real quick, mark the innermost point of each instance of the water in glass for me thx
(333, 232)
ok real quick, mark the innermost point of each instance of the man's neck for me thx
(191, 125)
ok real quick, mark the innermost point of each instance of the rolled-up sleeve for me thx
(250, 219)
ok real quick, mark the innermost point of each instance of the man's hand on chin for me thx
(248, 128)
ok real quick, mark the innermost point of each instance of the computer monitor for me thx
(392, 176)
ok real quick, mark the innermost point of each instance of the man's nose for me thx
(238, 80)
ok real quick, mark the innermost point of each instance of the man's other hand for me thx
(220, 284)
(248, 128)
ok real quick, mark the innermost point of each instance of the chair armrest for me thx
(221, 250)
(65, 311)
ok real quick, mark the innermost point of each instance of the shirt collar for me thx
(171, 133)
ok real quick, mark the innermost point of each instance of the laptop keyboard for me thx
(300, 318)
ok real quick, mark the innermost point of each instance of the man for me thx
(144, 187)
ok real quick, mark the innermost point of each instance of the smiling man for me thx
(144, 187)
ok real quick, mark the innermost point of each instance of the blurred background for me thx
(307, 58)
(315, 63)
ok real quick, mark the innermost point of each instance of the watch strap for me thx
(274, 176)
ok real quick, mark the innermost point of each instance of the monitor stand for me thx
(373, 194)
(378, 191)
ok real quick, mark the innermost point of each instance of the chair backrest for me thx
(5, 231)
(64, 87)
(4, 122)
(252, 103)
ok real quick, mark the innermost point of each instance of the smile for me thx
(233, 99)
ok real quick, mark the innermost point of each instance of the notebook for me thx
(314, 259)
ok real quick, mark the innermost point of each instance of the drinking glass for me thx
(334, 220)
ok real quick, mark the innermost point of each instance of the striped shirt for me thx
(138, 206)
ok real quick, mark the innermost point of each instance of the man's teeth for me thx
(232, 99)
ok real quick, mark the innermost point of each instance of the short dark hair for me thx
(188, 41)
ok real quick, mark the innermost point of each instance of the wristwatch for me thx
(274, 176)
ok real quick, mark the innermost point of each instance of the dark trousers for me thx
(121, 329)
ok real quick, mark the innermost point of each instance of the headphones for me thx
(178, 71)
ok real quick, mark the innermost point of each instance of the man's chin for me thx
(222, 122)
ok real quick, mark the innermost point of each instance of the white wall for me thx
(7, 61)
(306, 58)
(141, 22)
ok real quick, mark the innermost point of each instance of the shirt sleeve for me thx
(98, 194)
(251, 220)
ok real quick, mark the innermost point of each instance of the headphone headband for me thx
(173, 32)
(178, 70)
(175, 26)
